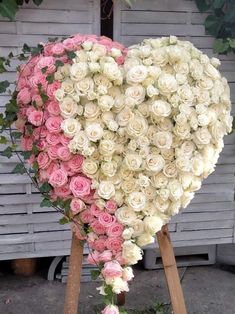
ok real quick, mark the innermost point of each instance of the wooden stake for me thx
(72, 291)
(171, 271)
(121, 299)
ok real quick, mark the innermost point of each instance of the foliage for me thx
(9, 8)
(220, 23)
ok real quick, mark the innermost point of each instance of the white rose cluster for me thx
(150, 130)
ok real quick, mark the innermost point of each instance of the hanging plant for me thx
(9, 8)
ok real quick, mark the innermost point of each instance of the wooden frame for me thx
(170, 268)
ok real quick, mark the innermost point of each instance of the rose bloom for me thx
(58, 178)
(114, 244)
(64, 153)
(62, 191)
(86, 216)
(24, 96)
(110, 309)
(111, 206)
(93, 258)
(53, 138)
(95, 210)
(36, 117)
(53, 151)
(75, 163)
(112, 269)
(53, 124)
(77, 205)
(53, 108)
(99, 244)
(97, 227)
(105, 256)
(80, 186)
(106, 219)
(43, 160)
(115, 230)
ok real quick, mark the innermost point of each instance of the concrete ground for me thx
(207, 289)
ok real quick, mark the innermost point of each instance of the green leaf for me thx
(44, 97)
(45, 203)
(45, 187)
(8, 8)
(20, 168)
(35, 149)
(58, 63)
(10, 55)
(7, 152)
(232, 43)
(52, 39)
(217, 4)
(50, 78)
(26, 48)
(71, 55)
(3, 140)
(3, 86)
(2, 65)
(44, 70)
(26, 154)
(230, 15)
(202, 5)
(16, 135)
(220, 45)
(37, 2)
(213, 24)
(37, 50)
(95, 274)
(64, 220)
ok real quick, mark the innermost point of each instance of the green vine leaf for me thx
(3, 140)
(2, 65)
(64, 220)
(37, 2)
(213, 24)
(8, 8)
(20, 168)
(218, 4)
(95, 274)
(7, 152)
(202, 5)
(220, 45)
(46, 203)
(3, 86)
(45, 188)
(26, 154)
(16, 135)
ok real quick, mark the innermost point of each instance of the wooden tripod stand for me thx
(168, 259)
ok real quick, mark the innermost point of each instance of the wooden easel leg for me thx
(72, 291)
(121, 299)
(171, 271)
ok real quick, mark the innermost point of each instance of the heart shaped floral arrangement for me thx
(120, 139)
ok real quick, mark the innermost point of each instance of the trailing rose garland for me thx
(120, 139)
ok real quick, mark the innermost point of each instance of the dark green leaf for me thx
(37, 50)
(3, 86)
(37, 2)
(95, 274)
(217, 4)
(20, 168)
(7, 152)
(44, 70)
(213, 24)
(2, 65)
(8, 8)
(59, 63)
(3, 140)
(26, 48)
(230, 15)
(45, 203)
(52, 39)
(232, 43)
(64, 220)
(45, 188)
(22, 57)
(202, 5)
(220, 45)
(71, 55)
(10, 56)
(50, 78)
(16, 135)
(35, 149)
(44, 97)
(26, 154)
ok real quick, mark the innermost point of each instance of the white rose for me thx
(218, 130)
(107, 147)
(59, 94)
(211, 71)
(70, 127)
(203, 119)
(175, 189)
(167, 84)
(170, 170)
(109, 168)
(106, 190)
(161, 205)
(164, 194)
(136, 200)
(195, 184)
(145, 239)
(131, 253)
(112, 71)
(129, 185)
(89, 167)
(118, 285)
(197, 165)
(124, 116)
(79, 142)
(99, 50)
(91, 111)
(67, 86)
(137, 126)
(152, 91)
(182, 130)
(185, 93)
(202, 136)
(127, 233)
(137, 74)
(105, 102)
(94, 131)
(68, 108)
(143, 181)
(85, 86)
(116, 52)
(159, 180)
(196, 69)
(186, 199)
(183, 163)
(163, 139)
(186, 179)
(161, 108)
(78, 71)
(135, 94)
(154, 163)
(127, 273)
(133, 162)
(125, 215)
(153, 224)
(87, 45)
(138, 227)
(160, 56)
(94, 67)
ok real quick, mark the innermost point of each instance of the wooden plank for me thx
(11, 229)
(161, 5)
(52, 226)
(28, 254)
(153, 17)
(205, 225)
(202, 234)
(209, 216)
(81, 5)
(14, 248)
(209, 207)
(32, 218)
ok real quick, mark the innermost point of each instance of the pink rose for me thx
(64, 140)
(41, 145)
(93, 258)
(80, 186)
(119, 258)
(27, 143)
(110, 309)
(53, 124)
(97, 227)
(21, 83)
(63, 191)
(64, 153)
(99, 244)
(20, 123)
(111, 206)
(25, 70)
(37, 99)
(86, 216)
(106, 219)
(120, 60)
(43, 175)
(47, 62)
(51, 168)
(58, 178)
(40, 132)
(47, 49)
(53, 138)
(112, 269)
(57, 49)
(24, 96)
(37, 79)
(115, 230)
(68, 44)
(36, 117)
(52, 88)
(53, 108)
(43, 160)
(114, 244)
(53, 152)
(77, 205)
(105, 256)
(75, 163)
(95, 210)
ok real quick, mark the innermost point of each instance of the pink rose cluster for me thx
(39, 119)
